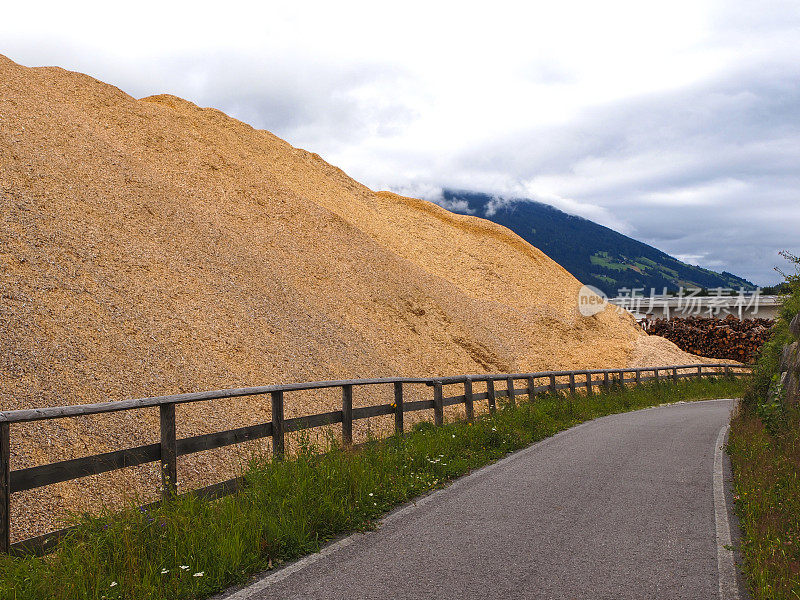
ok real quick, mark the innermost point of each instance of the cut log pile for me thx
(716, 338)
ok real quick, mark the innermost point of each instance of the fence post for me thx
(727, 371)
(588, 383)
(552, 385)
(469, 406)
(674, 374)
(572, 389)
(700, 371)
(606, 382)
(655, 374)
(638, 376)
(347, 415)
(510, 388)
(490, 395)
(438, 407)
(398, 408)
(531, 389)
(278, 432)
(5, 488)
(169, 451)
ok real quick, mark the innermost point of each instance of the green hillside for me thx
(594, 254)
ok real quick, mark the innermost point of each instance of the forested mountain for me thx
(595, 254)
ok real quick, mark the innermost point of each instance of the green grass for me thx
(767, 495)
(188, 548)
(602, 259)
(764, 446)
(763, 396)
(670, 273)
(606, 278)
(646, 261)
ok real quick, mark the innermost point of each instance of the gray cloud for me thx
(705, 167)
(300, 98)
(712, 170)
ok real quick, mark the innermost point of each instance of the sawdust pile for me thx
(150, 247)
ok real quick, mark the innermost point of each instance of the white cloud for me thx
(459, 206)
(495, 204)
(692, 259)
(432, 193)
(665, 121)
(707, 193)
(593, 212)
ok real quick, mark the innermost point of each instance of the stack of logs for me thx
(715, 338)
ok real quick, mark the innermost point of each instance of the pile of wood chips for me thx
(150, 246)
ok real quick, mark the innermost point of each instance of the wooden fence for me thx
(170, 448)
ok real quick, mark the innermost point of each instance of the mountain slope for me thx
(594, 254)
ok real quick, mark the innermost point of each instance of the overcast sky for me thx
(677, 123)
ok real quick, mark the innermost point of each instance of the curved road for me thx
(619, 507)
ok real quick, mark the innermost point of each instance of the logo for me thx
(591, 300)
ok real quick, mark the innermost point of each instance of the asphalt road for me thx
(620, 507)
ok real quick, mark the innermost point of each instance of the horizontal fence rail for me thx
(170, 448)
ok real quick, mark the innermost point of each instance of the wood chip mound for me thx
(153, 247)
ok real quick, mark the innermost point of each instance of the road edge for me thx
(726, 563)
(266, 579)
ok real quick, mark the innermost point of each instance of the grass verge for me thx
(764, 446)
(188, 548)
(766, 466)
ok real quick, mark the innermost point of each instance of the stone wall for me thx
(790, 365)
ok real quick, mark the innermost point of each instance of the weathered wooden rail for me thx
(170, 448)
